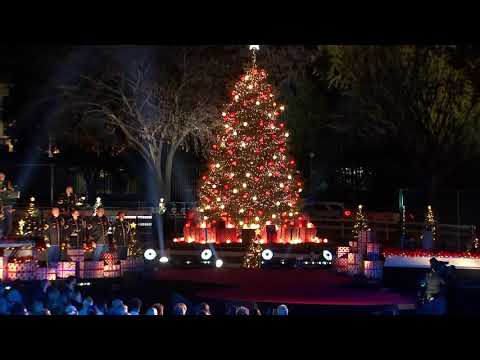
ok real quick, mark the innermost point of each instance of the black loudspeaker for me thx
(247, 236)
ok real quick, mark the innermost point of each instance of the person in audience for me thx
(159, 308)
(134, 306)
(54, 301)
(76, 298)
(151, 311)
(87, 307)
(180, 309)
(40, 293)
(14, 297)
(37, 308)
(3, 306)
(204, 309)
(18, 309)
(282, 310)
(118, 308)
(242, 311)
(71, 310)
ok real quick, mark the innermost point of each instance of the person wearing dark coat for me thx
(75, 231)
(54, 235)
(99, 231)
(67, 200)
(121, 235)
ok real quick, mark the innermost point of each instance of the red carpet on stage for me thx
(291, 286)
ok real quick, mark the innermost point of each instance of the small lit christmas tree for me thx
(253, 257)
(360, 222)
(30, 225)
(251, 179)
(98, 203)
(134, 248)
(430, 222)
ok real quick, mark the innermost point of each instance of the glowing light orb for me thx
(164, 260)
(327, 255)
(206, 254)
(219, 263)
(150, 254)
(267, 254)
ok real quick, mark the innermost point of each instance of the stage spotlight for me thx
(164, 259)
(219, 263)
(206, 254)
(327, 255)
(150, 254)
(267, 254)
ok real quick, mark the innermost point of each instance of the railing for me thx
(458, 237)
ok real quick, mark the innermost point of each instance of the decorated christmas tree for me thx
(134, 248)
(430, 222)
(30, 225)
(251, 179)
(360, 222)
(253, 257)
(98, 203)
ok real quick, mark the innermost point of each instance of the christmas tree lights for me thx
(134, 248)
(30, 225)
(251, 179)
(360, 222)
(430, 222)
(253, 257)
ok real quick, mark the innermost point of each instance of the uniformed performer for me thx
(54, 235)
(68, 200)
(75, 231)
(6, 218)
(121, 235)
(99, 230)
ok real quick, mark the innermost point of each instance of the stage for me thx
(289, 286)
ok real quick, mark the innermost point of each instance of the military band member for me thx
(121, 235)
(99, 231)
(6, 218)
(68, 200)
(54, 235)
(75, 231)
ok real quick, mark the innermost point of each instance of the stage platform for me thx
(289, 286)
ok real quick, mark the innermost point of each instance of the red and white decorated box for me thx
(21, 271)
(65, 269)
(127, 265)
(44, 273)
(341, 264)
(230, 236)
(289, 235)
(76, 255)
(342, 250)
(3, 267)
(91, 269)
(111, 271)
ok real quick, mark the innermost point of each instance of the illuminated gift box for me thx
(65, 269)
(76, 255)
(342, 250)
(3, 267)
(111, 271)
(373, 269)
(45, 273)
(21, 271)
(29, 266)
(341, 264)
(127, 265)
(91, 269)
(204, 235)
(308, 234)
(289, 234)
